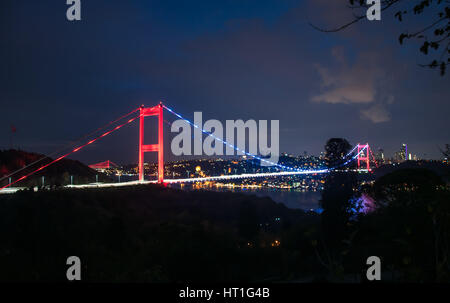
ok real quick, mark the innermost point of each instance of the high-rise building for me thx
(379, 156)
(404, 151)
(402, 155)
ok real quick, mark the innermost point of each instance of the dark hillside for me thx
(151, 233)
(56, 174)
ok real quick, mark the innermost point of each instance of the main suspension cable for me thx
(243, 151)
(71, 144)
(73, 151)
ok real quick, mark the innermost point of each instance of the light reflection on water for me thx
(291, 198)
(306, 200)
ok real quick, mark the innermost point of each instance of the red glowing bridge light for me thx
(103, 165)
(64, 156)
(364, 153)
(145, 112)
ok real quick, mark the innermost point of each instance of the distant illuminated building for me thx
(402, 155)
(404, 151)
(379, 156)
(275, 243)
(199, 171)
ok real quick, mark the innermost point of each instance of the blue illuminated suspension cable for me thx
(228, 144)
(249, 154)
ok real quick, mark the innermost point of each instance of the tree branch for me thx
(357, 18)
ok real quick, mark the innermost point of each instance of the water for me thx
(291, 198)
(306, 200)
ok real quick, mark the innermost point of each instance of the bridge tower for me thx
(145, 112)
(364, 156)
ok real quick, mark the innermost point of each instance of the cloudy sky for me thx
(230, 59)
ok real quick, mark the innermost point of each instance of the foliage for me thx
(338, 205)
(157, 234)
(446, 152)
(19, 163)
(150, 234)
(339, 187)
(434, 37)
(411, 226)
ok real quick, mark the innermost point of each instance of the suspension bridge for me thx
(362, 156)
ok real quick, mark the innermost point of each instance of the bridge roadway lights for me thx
(159, 147)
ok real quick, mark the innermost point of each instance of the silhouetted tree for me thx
(434, 36)
(337, 200)
(446, 152)
(413, 205)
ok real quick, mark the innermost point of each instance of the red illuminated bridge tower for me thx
(145, 112)
(363, 155)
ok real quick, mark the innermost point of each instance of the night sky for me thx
(242, 59)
